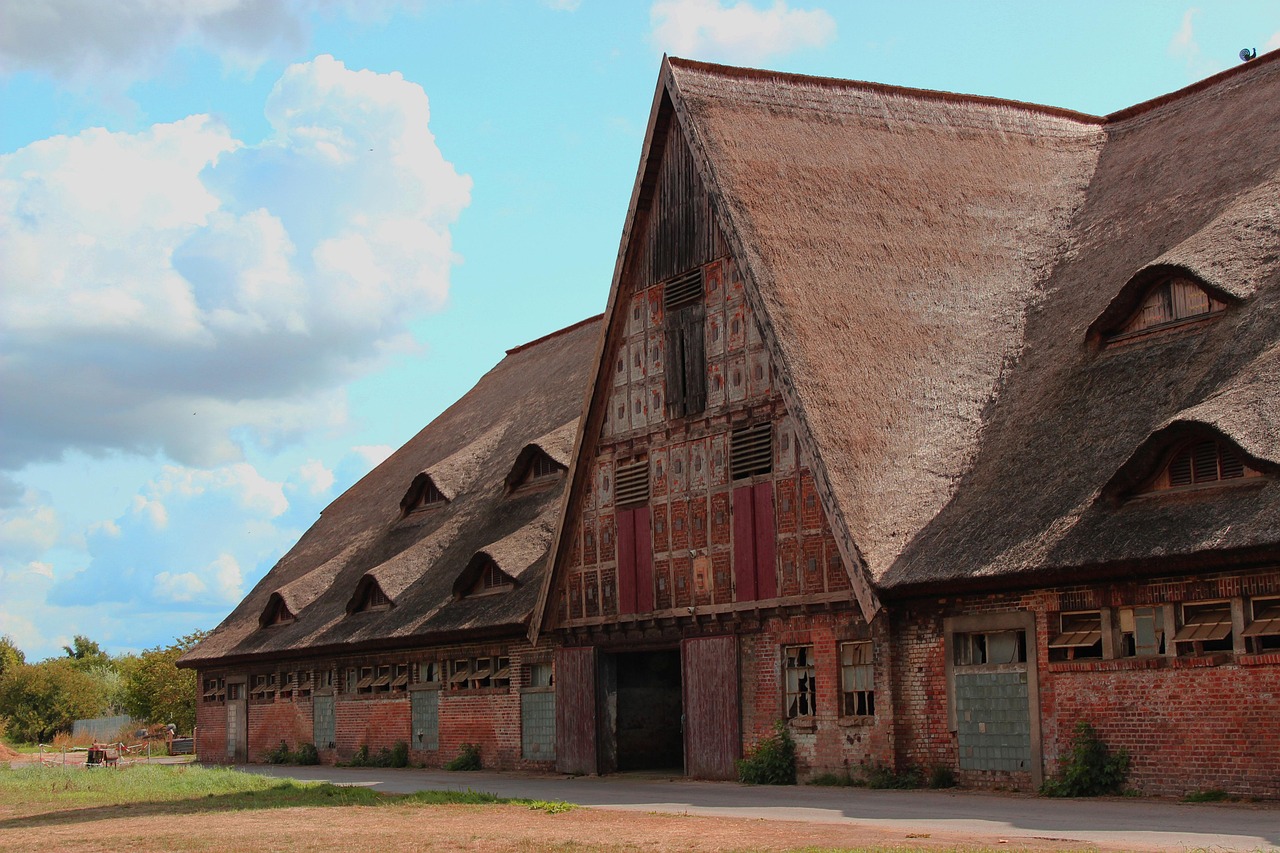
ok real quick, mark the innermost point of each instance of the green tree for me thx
(11, 657)
(86, 653)
(156, 691)
(40, 700)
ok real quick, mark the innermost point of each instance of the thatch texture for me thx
(927, 268)
(535, 392)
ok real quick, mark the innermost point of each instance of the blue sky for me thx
(248, 247)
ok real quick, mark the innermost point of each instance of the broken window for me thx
(1263, 633)
(1079, 636)
(857, 680)
(801, 697)
(685, 338)
(539, 675)
(1205, 628)
(1141, 632)
(428, 673)
(990, 648)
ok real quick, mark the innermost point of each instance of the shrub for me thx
(883, 776)
(1090, 769)
(468, 758)
(279, 755)
(942, 776)
(772, 760)
(400, 754)
(307, 754)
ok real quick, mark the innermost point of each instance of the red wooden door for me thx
(575, 672)
(712, 722)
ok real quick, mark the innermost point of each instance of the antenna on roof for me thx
(1248, 53)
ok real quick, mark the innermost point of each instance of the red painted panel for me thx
(744, 546)
(713, 724)
(643, 545)
(766, 561)
(575, 674)
(627, 561)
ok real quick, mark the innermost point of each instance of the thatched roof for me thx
(926, 268)
(533, 396)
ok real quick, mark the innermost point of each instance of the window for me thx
(1141, 632)
(215, 690)
(539, 675)
(400, 677)
(534, 467)
(264, 686)
(1173, 301)
(798, 679)
(428, 673)
(857, 680)
(1199, 462)
(479, 673)
(1263, 633)
(990, 648)
(1205, 628)
(276, 612)
(423, 494)
(685, 337)
(491, 580)
(235, 691)
(430, 497)
(1079, 636)
(635, 539)
(305, 683)
(364, 682)
(369, 596)
(288, 684)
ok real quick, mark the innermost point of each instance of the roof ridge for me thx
(556, 333)
(882, 88)
(1192, 88)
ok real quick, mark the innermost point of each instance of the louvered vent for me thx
(683, 290)
(751, 450)
(1232, 464)
(631, 484)
(1180, 469)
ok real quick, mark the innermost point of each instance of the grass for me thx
(30, 792)
(1212, 795)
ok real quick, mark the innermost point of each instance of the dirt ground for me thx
(392, 829)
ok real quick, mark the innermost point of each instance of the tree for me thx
(156, 691)
(86, 653)
(11, 657)
(40, 700)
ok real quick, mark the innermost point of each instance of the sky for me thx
(249, 247)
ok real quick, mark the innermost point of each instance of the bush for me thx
(37, 701)
(279, 755)
(468, 758)
(883, 776)
(772, 761)
(941, 776)
(305, 754)
(1090, 768)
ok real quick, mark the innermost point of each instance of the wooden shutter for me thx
(693, 334)
(674, 370)
(712, 710)
(575, 670)
(642, 540)
(765, 542)
(744, 544)
(626, 524)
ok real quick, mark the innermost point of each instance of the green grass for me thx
(33, 792)
(1212, 795)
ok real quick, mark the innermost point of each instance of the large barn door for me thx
(713, 726)
(575, 673)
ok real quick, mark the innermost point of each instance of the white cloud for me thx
(185, 292)
(104, 528)
(1273, 43)
(564, 5)
(182, 587)
(317, 477)
(738, 31)
(228, 580)
(1185, 46)
(253, 491)
(44, 570)
(153, 510)
(373, 454)
(27, 530)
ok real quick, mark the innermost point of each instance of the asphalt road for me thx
(1138, 822)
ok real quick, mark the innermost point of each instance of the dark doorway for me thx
(648, 730)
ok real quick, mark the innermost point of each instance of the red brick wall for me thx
(1188, 723)
(274, 720)
(211, 729)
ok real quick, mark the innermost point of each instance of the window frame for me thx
(802, 689)
(1127, 330)
(850, 694)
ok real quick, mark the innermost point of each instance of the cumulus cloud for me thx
(254, 492)
(316, 476)
(183, 291)
(1273, 43)
(85, 40)
(27, 530)
(1186, 47)
(737, 31)
(373, 454)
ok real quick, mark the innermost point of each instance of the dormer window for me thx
(490, 581)
(369, 596)
(533, 468)
(1201, 462)
(1173, 301)
(423, 494)
(275, 613)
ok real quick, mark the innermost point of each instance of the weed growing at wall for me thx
(304, 754)
(772, 761)
(468, 758)
(1089, 769)
(397, 756)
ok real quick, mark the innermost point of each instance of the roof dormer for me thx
(533, 467)
(1156, 301)
(482, 576)
(423, 494)
(1184, 457)
(369, 596)
(276, 612)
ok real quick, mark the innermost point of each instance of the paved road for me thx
(1112, 823)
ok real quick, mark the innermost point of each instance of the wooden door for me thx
(712, 717)
(575, 677)
(237, 724)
